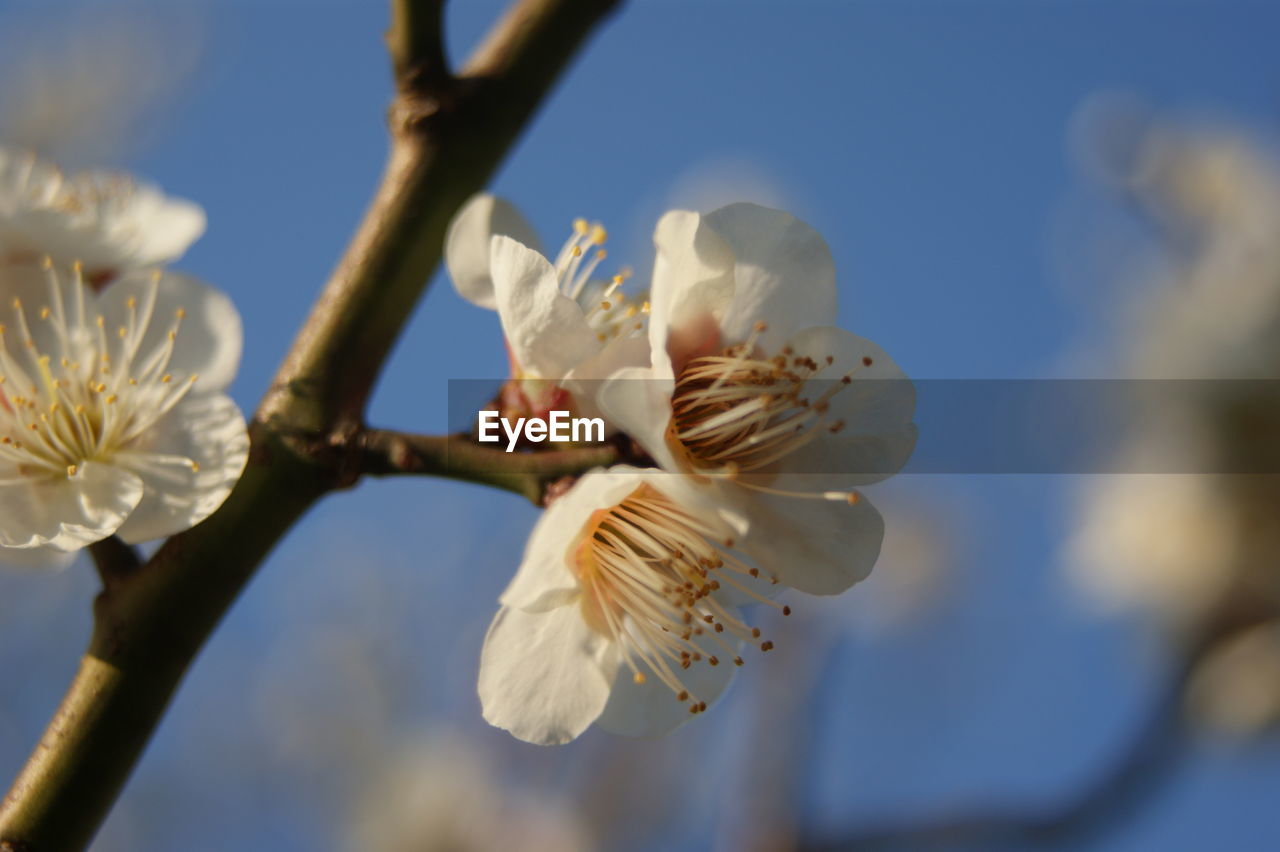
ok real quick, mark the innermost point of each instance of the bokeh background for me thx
(1010, 190)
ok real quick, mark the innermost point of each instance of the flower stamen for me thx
(653, 577)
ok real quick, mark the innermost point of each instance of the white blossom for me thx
(565, 329)
(625, 609)
(750, 381)
(112, 416)
(106, 221)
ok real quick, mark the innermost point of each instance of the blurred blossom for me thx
(1196, 551)
(1160, 542)
(105, 221)
(442, 795)
(1236, 687)
(86, 84)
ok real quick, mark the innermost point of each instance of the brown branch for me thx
(115, 561)
(1135, 778)
(448, 135)
(388, 453)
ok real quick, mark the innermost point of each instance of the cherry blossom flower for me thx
(107, 221)
(564, 327)
(750, 382)
(112, 416)
(625, 609)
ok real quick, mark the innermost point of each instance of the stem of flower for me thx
(448, 135)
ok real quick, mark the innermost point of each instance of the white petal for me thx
(545, 579)
(546, 330)
(876, 408)
(166, 227)
(816, 546)
(586, 380)
(210, 337)
(466, 245)
(712, 501)
(651, 709)
(209, 430)
(105, 220)
(544, 677)
(784, 275)
(67, 513)
(35, 558)
(639, 404)
(692, 289)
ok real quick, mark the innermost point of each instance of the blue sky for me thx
(927, 141)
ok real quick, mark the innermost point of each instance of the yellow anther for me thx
(102, 321)
(166, 378)
(577, 251)
(110, 399)
(71, 470)
(180, 313)
(638, 678)
(195, 466)
(122, 332)
(155, 276)
(44, 313)
(17, 304)
(131, 302)
(604, 306)
(78, 268)
(173, 335)
(644, 309)
(580, 226)
(599, 235)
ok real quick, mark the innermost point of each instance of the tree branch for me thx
(1137, 775)
(388, 453)
(416, 44)
(115, 561)
(446, 141)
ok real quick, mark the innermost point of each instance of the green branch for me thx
(448, 135)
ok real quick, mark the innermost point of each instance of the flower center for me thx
(654, 578)
(85, 392)
(609, 311)
(741, 411)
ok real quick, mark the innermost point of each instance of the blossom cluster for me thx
(761, 420)
(113, 416)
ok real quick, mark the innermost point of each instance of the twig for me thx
(388, 453)
(115, 561)
(1136, 776)
(448, 135)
